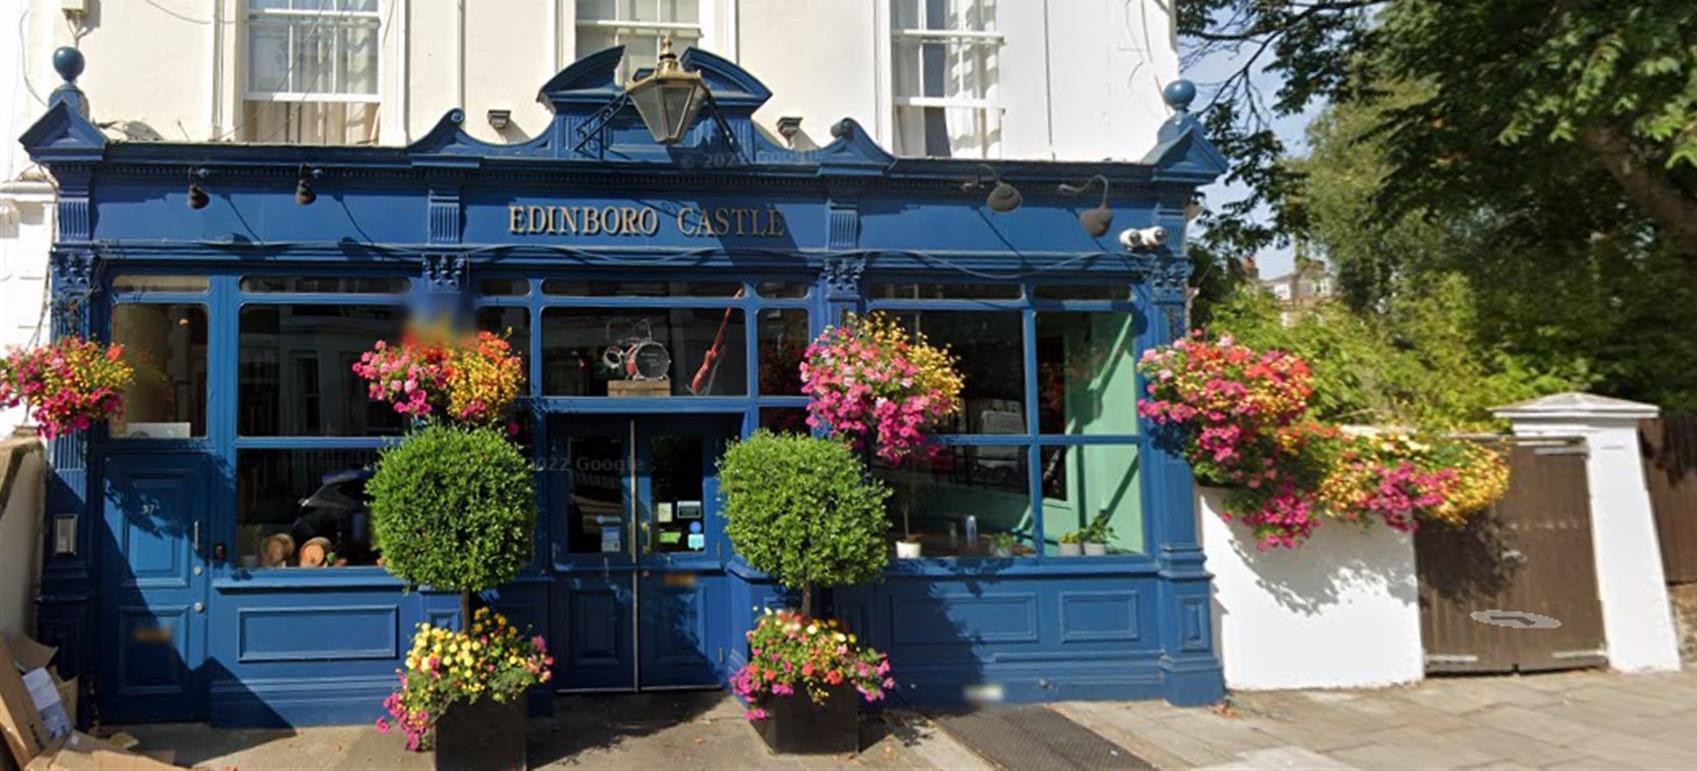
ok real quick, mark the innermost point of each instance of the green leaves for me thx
(454, 508)
(802, 510)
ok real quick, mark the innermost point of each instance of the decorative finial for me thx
(1179, 94)
(68, 62)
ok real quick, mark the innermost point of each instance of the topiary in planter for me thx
(454, 508)
(803, 510)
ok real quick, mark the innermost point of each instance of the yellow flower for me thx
(812, 628)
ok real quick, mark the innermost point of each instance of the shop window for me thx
(1086, 484)
(990, 359)
(568, 288)
(296, 370)
(678, 522)
(944, 291)
(1107, 290)
(166, 346)
(783, 340)
(312, 71)
(630, 352)
(303, 508)
(784, 420)
(638, 25)
(783, 290)
(163, 284)
(964, 501)
(503, 287)
(946, 63)
(389, 285)
(1086, 372)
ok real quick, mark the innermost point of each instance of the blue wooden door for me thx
(154, 587)
(681, 590)
(590, 490)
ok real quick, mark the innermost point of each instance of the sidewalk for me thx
(1591, 720)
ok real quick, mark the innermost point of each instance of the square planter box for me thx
(485, 735)
(794, 724)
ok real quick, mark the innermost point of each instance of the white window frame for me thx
(252, 95)
(715, 28)
(989, 108)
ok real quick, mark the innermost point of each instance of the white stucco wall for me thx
(20, 540)
(1341, 611)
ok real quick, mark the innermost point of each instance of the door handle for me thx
(196, 538)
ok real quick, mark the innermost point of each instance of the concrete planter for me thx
(1341, 611)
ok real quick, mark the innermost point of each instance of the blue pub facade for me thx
(214, 559)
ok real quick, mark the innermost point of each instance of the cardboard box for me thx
(25, 733)
(81, 752)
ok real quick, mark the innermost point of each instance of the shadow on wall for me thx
(1340, 560)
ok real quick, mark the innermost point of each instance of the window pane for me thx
(357, 48)
(268, 55)
(783, 340)
(504, 287)
(1107, 290)
(325, 284)
(566, 288)
(945, 291)
(511, 323)
(297, 507)
(787, 290)
(676, 467)
(990, 358)
(183, 284)
(166, 346)
(685, 352)
(1086, 372)
(597, 521)
(596, 10)
(593, 39)
(956, 502)
(314, 47)
(1082, 484)
(784, 420)
(297, 377)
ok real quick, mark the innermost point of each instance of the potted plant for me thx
(69, 384)
(908, 547)
(1096, 535)
(803, 679)
(1072, 544)
(455, 508)
(1002, 544)
(803, 510)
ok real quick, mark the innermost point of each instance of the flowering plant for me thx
(70, 383)
(472, 378)
(1241, 418)
(789, 651)
(445, 667)
(867, 381)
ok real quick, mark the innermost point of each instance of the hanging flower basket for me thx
(870, 382)
(68, 385)
(469, 378)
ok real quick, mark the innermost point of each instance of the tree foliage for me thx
(801, 509)
(454, 508)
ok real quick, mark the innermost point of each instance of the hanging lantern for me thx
(668, 98)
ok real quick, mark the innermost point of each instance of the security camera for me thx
(1143, 238)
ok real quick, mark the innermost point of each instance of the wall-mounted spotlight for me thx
(304, 194)
(1095, 221)
(1143, 238)
(1003, 198)
(198, 199)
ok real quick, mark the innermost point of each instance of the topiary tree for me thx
(454, 508)
(803, 510)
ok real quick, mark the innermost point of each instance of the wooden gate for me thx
(1516, 590)
(1669, 446)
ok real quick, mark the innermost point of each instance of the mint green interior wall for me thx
(1101, 398)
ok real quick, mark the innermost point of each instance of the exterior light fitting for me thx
(1003, 198)
(668, 98)
(1095, 221)
(198, 199)
(304, 194)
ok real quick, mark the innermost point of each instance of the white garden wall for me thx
(1341, 611)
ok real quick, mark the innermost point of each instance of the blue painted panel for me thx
(676, 648)
(153, 652)
(948, 618)
(1099, 616)
(298, 633)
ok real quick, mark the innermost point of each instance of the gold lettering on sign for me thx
(692, 221)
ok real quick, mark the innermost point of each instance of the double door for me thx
(638, 550)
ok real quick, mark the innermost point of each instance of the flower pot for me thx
(1070, 549)
(794, 724)
(908, 550)
(483, 735)
(1001, 551)
(1095, 549)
